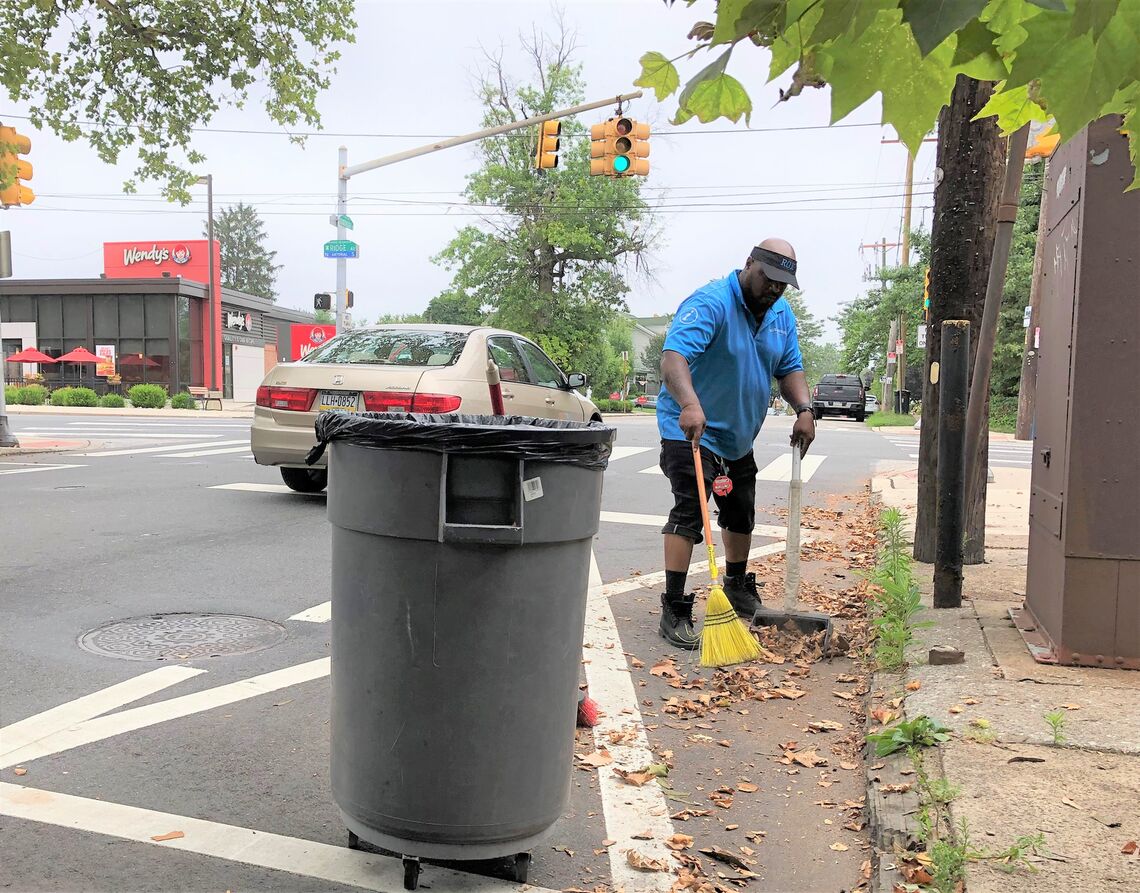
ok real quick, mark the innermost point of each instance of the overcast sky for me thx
(411, 72)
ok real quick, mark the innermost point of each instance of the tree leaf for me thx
(713, 94)
(1094, 17)
(1013, 108)
(932, 21)
(736, 19)
(976, 56)
(1058, 5)
(659, 75)
(789, 47)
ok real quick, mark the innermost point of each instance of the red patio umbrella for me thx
(30, 355)
(136, 359)
(79, 355)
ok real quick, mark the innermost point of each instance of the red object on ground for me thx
(79, 355)
(30, 355)
(587, 712)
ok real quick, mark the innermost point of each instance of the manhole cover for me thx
(182, 636)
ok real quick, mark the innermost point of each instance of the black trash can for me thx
(460, 554)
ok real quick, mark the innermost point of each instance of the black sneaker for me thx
(741, 591)
(677, 623)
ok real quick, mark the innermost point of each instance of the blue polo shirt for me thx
(732, 360)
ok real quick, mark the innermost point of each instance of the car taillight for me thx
(435, 403)
(292, 399)
(387, 401)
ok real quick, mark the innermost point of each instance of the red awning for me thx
(30, 355)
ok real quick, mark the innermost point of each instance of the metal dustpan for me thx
(806, 622)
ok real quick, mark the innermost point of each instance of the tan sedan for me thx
(403, 368)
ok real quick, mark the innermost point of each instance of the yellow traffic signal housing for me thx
(619, 147)
(546, 153)
(14, 169)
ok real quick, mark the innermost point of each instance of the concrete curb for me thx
(132, 411)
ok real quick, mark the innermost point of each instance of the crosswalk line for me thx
(624, 452)
(655, 469)
(256, 488)
(780, 468)
(210, 452)
(113, 435)
(33, 468)
(130, 451)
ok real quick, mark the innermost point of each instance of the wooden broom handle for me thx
(705, 509)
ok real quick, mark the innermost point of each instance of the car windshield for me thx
(392, 347)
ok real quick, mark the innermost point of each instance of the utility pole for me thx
(1027, 390)
(900, 353)
(7, 438)
(892, 365)
(345, 172)
(908, 196)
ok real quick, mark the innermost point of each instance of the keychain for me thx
(722, 485)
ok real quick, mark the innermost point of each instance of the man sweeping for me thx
(727, 342)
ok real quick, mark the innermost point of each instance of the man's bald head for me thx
(780, 246)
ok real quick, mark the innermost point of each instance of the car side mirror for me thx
(575, 380)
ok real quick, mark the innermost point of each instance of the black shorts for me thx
(737, 509)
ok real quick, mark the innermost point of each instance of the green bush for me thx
(33, 394)
(83, 397)
(13, 394)
(147, 396)
(61, 396)
(112, 401)
(183, 400)
(1003, 414)
(889, 420)
(614, 405)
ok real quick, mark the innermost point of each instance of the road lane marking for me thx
(321, 613)
(163, 449)
(260, 488)
(34, 728)
(113, 435)
(103, 727)
(624, 452)
(207, 452)
(306, 858)
(653, 469)
(659, 521)
(32, 468)
(780, 468)
(628, 810)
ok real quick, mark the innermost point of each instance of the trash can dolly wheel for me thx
(521, 867)
(411, 872)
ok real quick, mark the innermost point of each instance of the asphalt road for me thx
(159, 516)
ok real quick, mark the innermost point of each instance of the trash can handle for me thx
(490, 534)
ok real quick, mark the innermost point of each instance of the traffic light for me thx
(13, 169)
(619, 147)
(322, 301)
(546, 153)
(926, 295)
(348, 298)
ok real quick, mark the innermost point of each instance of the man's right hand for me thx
(692, 421)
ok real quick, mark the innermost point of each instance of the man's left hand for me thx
(803, 432)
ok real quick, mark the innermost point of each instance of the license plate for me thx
(345, 401)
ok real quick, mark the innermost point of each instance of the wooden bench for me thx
(206, 395)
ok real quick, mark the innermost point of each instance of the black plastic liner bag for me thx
(587, 445)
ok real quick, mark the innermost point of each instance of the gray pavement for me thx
(146, 519)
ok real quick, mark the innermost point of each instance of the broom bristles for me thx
(725, 640)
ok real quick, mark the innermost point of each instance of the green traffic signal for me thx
(621, 164)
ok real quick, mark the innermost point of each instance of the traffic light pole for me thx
(7, 438)
(344, 172)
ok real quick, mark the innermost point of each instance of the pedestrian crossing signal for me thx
(619, 147)
(546, 153)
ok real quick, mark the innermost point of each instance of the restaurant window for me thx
(130, 316)
(106, 318)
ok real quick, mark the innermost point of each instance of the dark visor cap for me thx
(776, 267)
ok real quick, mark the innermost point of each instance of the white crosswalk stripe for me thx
(27, 468)
(130, 451)
(779, 469)
(114, 435)
(624, 452)
(210, 452)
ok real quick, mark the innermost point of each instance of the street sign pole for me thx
(7, 438)
(341, 213)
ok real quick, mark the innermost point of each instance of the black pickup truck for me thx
(839, 394)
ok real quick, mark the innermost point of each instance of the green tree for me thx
(912, 51)
(819, 357)
(651, 356)
(1010, 341)
(143, 74)
(324, 317)
(393, 319)
(551, 257)
(247, 265)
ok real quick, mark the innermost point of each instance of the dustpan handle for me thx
(792, 546)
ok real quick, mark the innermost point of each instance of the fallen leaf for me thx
(731, 827)
(562, 849)
(622, 736)
(895, 788)
(747, 787)
(645, 863)
(847, 696)
(896, 703)
(790, 693)
(597, 759)
(635, 778)
(1020, 759)
(635, 663)
(882, 715)
(1129, 848)
(1070, 706)
(725, 856)
(971, 701)
(19, 770)
(1069, 802)
(722, 802)
(170, 835)
(666, 669)
(685, 814)
(824, 725)
(855, 826)
(848, 766)
(809, 759)
(865, 869)
(608, 843)
(846, 677)
(914, 685)
(679, 842)
(957, 708)
(644, 835)
(839, 847)
(725, 743)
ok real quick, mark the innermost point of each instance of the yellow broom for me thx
(725, 640)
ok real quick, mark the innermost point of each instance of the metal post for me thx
(888, 385)
(1027, 390)
(908, 197)
(215, 307)
(341, 233)
(953, 382)
(7, 438)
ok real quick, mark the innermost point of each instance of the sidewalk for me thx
(1082, 796)
(231, 409)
